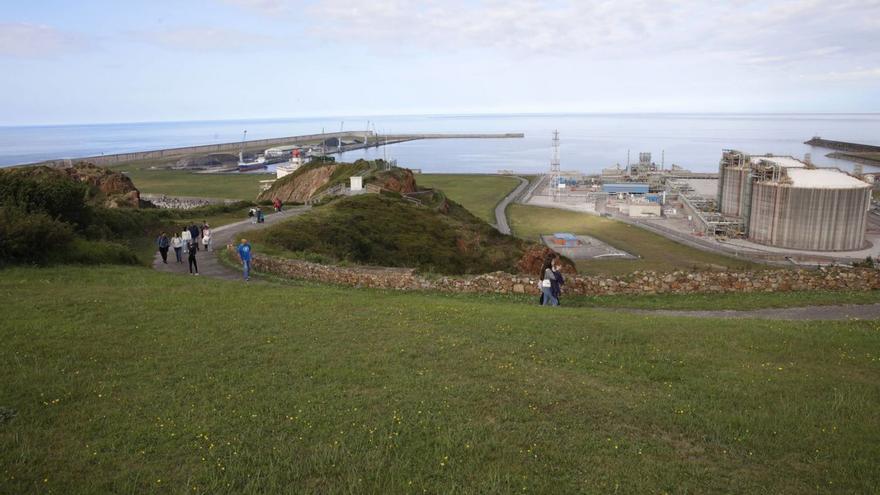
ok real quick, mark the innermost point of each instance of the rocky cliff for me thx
(300, 187)
(106, 188)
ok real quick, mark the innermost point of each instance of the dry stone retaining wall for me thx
(636, 283)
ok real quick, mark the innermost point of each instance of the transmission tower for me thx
(554, 167)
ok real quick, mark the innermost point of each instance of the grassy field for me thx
(182, 183)
(477, 193)
(126, 380)
(656, 252)
(757, 300)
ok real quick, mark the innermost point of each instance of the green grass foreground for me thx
(657, 252)
(477, 193)
(120, 379)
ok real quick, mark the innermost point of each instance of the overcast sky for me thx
(110, 61)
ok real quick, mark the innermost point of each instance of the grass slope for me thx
(382, 230)
(657, 252)
(126, 380)
(477, 193)
(243, 187)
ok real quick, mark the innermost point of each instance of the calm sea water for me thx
(589, 142)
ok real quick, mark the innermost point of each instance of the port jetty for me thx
(334, 142)
(867, 154)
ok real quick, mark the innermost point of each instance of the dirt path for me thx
(209, 265)
(501, 208)
(814, 313)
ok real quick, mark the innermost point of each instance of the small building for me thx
(626, 188)
(642, 208)
(357, 183)
(565, 239)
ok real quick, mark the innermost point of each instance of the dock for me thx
(357, 140)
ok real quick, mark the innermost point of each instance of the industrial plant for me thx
(785, 202)
(767, 207)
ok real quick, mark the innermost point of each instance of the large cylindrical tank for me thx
(732, 183)
(812, 219)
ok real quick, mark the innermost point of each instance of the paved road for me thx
(814, 313)
(501, 208)
(209, 265)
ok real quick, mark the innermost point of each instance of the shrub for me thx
(30, 237)
(44, 190)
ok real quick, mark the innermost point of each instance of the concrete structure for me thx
(357, 183)
(783, 202)
(641, 208)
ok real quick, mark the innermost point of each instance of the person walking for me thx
(206, 237)
(259, 215)
(193, 265)
(177, 244)
(186, 237)
(244, 254)
(163, 244)
(547, 279)
(556, 285)
(194, 232)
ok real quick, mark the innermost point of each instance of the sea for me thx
(588, 142)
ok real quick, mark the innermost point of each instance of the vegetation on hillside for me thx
(48, 216)
(437, 236)
(372, 171)
(478, 193)
(325, 390)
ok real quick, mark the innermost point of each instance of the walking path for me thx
(814, 313)
(501, 209)
(209, 265)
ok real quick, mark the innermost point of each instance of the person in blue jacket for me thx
(244, 254)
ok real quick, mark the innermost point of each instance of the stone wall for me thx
(636, 283)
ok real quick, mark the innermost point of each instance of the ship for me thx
(245, 166)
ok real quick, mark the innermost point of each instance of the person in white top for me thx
(206, 237)
(186, 237)
(177, 244)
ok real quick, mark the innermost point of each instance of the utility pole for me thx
(554, 167)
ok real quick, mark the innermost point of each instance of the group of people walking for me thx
(551, 281)
(186, 243)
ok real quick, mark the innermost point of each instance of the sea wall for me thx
(636, 283)
(843, 145)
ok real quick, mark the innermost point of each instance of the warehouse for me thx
(784, 202)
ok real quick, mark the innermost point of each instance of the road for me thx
(501, 209)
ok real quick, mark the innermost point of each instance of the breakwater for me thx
(363, 139)
(843, 146)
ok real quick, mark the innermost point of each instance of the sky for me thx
(92, 61)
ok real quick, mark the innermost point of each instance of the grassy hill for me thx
(121, 380)
(477, 193)
(439, 237)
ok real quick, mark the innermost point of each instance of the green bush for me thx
(44, 190)
(390, 231)
(31, 237)
(85, 252)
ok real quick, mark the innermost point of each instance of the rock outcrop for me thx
(209, 161)
(107, 188)
(301, 187)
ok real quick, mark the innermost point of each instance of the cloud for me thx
(269, 7)
(36, 41)
(853, 75)
(205, 39)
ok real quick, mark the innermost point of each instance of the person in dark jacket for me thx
(163, 242)
(193, 266)
(556, 285)
(194, 232)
